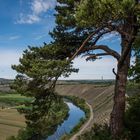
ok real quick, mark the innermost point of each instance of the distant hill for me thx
(5, 85)
(107, 81)
(5, 81)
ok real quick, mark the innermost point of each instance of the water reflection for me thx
(75, 114)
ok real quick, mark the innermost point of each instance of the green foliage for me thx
(132, 117)
(134, 71)
(39, 127)
(40, 68)
(133, 88)
(38, 72)
(95, 13)
(107, 16)
(98, 132)
(67, 35)
(23, 135)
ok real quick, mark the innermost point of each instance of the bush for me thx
(98, 132)
(132, 117)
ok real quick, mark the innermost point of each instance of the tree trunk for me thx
(117, 114)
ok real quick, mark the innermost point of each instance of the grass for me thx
(10, 120)
(132, 88)
(13, 99)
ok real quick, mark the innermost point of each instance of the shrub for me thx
(132, 117)
(98, 132)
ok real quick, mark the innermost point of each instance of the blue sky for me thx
(28, 22)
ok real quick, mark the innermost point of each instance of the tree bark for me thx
(116, 123)
(117, 114)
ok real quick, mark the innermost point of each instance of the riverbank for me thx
(84, 122)
(85, 126)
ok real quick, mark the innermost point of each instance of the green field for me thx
(10, 120)
(12, 99)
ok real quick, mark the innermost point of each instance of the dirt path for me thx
(85, 126)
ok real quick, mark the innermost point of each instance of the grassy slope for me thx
(12, 99)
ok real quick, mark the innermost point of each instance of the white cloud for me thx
(14, 37)
(40, 36)
(37, 7)
(94, 70)
(7, 58)
(28, 19)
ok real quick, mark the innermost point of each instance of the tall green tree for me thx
(38, 72)
(40, 68)
(107, 16)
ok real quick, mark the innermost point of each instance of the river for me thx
(75, 114)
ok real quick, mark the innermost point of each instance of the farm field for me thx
(10, 119)
(10, 122)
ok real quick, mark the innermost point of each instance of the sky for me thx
(26, 23)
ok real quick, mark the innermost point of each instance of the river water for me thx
(75, 114)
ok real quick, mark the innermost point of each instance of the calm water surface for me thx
(75, 114)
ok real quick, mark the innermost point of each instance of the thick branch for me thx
(104, 48)
(95, 56)
(128, 47)
(89, 38)
(120, 30)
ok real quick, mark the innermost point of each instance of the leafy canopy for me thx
(99, 12)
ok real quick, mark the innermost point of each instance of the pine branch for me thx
(89, 38)
(104, 48)
(95, 56)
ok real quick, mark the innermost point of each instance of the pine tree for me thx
(38, 72)
(107, 16)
